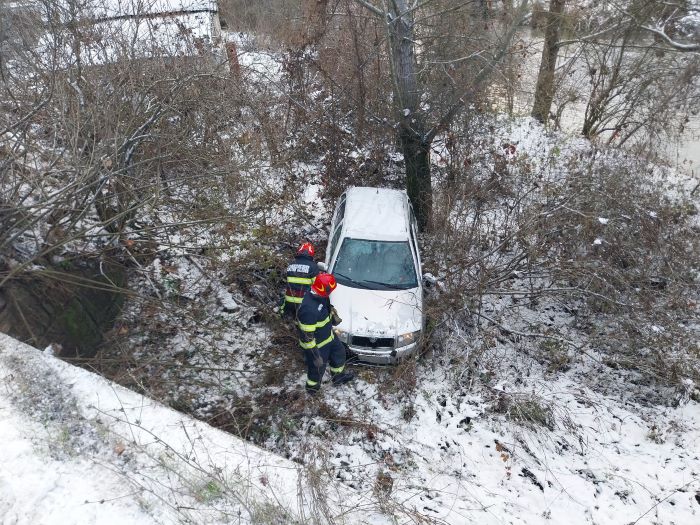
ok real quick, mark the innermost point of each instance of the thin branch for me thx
(678, 46)
(679, 489)
(483, 74)
(373, 8)
(589, 38)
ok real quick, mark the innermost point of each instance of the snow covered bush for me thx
(628, 247)
(566, 250)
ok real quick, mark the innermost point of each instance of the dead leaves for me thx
(505, 455)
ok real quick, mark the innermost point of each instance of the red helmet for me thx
(324, 284)
(306, 249)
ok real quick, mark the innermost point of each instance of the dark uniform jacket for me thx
(300, 274)
(315, 322)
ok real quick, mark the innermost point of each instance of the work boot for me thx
(312, 389)
(342, 378)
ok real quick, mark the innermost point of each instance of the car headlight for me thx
(407, 339)
(341, 334)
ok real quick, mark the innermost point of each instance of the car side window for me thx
(412, 216)
(334, 242)
(413, 228)
(341, 210)
(414, 242)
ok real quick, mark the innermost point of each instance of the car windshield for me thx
(376, 265)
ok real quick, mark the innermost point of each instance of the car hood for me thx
(378, 313)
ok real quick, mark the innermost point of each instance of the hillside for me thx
(160, 165)
(79, 449)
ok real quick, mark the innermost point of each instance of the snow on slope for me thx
(456, 462)
(78, 449)
(99, 9)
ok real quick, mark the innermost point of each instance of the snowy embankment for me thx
(605, 461)
(79, 449)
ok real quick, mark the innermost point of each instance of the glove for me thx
(318, 362)
(335, 318)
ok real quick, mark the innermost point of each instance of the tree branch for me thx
(483, 74)
(678, 46)
(373, 8)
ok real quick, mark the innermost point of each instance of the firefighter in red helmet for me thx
(316, 318)
(300, 274)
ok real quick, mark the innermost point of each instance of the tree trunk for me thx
(407, 99)
(414, 138)
(360, 74)
(404, 59)
(416, 153)
(544, 91)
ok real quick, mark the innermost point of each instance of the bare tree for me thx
(673, 24)
(636, 62)
(111, 135)
(544, 91)
(637, 85)
(415, 133)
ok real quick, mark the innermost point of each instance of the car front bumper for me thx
(382, 356)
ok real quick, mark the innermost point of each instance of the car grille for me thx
(372, 342)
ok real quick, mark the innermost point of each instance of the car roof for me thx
(376, 213)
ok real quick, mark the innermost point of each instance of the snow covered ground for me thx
(614, 464)
(78, 449)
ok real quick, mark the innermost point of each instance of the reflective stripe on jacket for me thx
(314, 322)
(300, 274)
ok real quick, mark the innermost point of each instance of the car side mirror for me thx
(322, 266)
(429, 279)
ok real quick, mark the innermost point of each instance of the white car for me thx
(373, 254)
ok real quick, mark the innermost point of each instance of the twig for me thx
(664, 499)
(528, 334)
